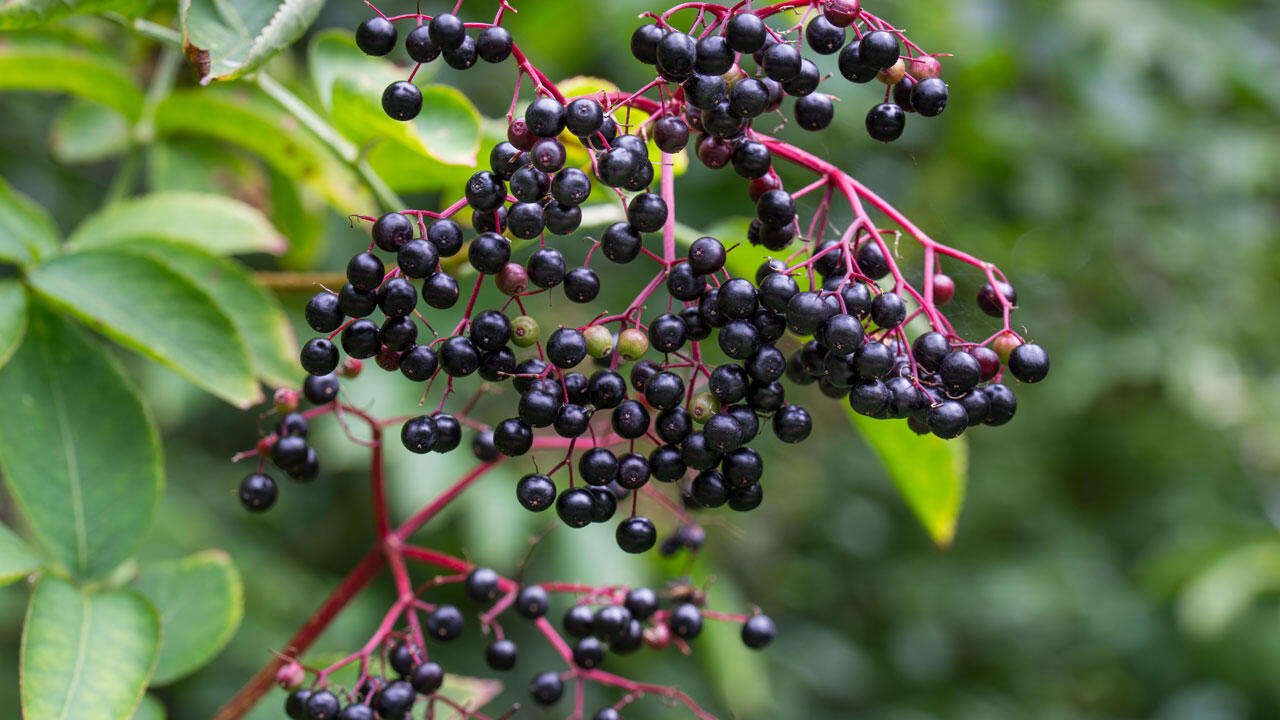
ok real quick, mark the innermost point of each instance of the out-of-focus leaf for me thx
(156, 311)
(930, 472)
(69, 68)
(34, 13)
(225, 39)
(213, 223)
(200, 601)
(257, 315)
(1223, 590)
(27, 232)
(245, 120)
(149, 709)
(204, 166)
(16, 559)
(13, 318)
(89, 487)
(86, 656)
(87, 132)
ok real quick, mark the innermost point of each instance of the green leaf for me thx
(245, 120)
(213, 223)
(154, 310)
(86, 656)
(1223, 590)
(200, 600)
(69, 68)
(226, 39)
(16, 559)
(88, 489)
(150, 709)
(257, 315)
(27, 233)
(13, 318)
(930, 472)
(88, 132)
(32, 13)
(203, 166)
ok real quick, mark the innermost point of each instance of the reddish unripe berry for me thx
(944, 288)
(512, 279)
(841, 13)
(763, 184)
(388, 359)
(925, 67)
(290, 676)
(1004, 345)
(894, 73)
(988, 360)
(285, 400)
(714, 152)
(657, 636)
(519, 135)
(350, 368)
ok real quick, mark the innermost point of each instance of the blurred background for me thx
(1117, 555)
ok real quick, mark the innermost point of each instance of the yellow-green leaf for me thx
(213, 223)
(27, 233)
(13, 318)
(88, 132)
(16, 559)
(69, 68)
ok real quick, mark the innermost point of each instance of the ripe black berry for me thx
(578, 621)
(1001, 404)
(588, 653)
(792, 424)
(444, 623)
(584, 117)
(546, 688)
(630, 419)
(323, 313)
(494, 44)
(535, 492)
(805, 82)
(989, 301)
(501, 655)
(489, 253)
(745, 32)
(929, 97)
(295, 705)
(440, 290)
(960, 371)
(885, 122)
(391, 231)
(257, 492)
(427, 678)
(879, 49)
(636, 534)
(419, 434)
(447, 31)
(647, 212)
(319, 356)
(685, 621)
(888, 310)
(402, 100)
(481, 585)
(758, 631)
(545, 117)
(419, 45)
(571, 186)
(512, 437)
(376, 36)
(751, 159)
(1029, 363)
(671, 134)
(574, 507)
(320, 389)
(532, 602)
(644, 43)
(823, 37)
(853, 67)
(675, 56)
(715, 57)
(814, 111)
(930, 349)
(621, 242)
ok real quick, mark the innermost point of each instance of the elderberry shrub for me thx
(685, 398)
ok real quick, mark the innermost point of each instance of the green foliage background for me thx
(1117, 554)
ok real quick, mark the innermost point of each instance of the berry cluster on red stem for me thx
(832, 307)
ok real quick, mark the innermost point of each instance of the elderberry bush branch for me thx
(832, 307)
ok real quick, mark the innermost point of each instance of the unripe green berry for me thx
(632, 344)
(599, 341)
(703, 406)
(1004, 345)
(524, 331)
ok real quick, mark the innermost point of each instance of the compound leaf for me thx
(225, 39)
(88, 132)
(86, 656)
(200, 601)
(48, 66)
(80, 457)
(33, 13)
(27, 233)
(213, 223)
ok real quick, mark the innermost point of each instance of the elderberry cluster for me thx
(618, 624)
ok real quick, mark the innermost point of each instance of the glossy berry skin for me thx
(647, 212)
(745, 32)
(989, 300)
(630, 419)
(445, 623)
(489, 253)
(930, 349)
(675, 56)
(584, 117)
(636, 534)
(257, 492)
(792, 424)
(947, 420)
(806, 81)
(574, 507)
(402, 100)
(671, 134)
(418, 258)
(823, 37)
(1029, 363)
(535, 492)
(512, 437)
(320, 389)
(419, 434)
(395, 699)
(494, 44)
(1001, 404)
(588, 653)
(295, 705)
(960, 371)
(781, 62)
(571, 186)
(685, 621)
(751, 159)
(545, 117)
(532, 602)
(501, 655)
(322, 705)
(706, 255)
(929, 97)
(357, 712)
(323, 313)
(440, 290)
(879, 49)
(888, 310)
(546, 688)
(376, 36)
(621, 242)
(566, 347)
(481, 585)
(427, 678)
(853, 67)
(447, 31)
(644, 43)
(885, 122)
(814, 112)
(758, 631)
(319, 356)
(419, 45)
(365, 271)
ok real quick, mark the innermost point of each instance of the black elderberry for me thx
(546, 688)
(684, 284)
(1029, 363)
(604, 503)
(257, 492)
(667, 333)
(535, 492)
(929, 97)
(462, 57)
(792, 424)
(1001, 404)
(494, 44)
(930, 349)
(417, 258)
(758, 631)
(448, 432)
(685, 621)
(459, 357)
(571, 420)
(823, 37)
(566, 347)
(885, 122)
(748, 98)
(647, 212)
(532, 602)
(674, 425)
(397, 297)
(868, 396)
(320, 389)
(319, 356)
(485, 191)
(621, 242)
(742, 467)
(501, 655)
(977, 406)
(512, 437)
(391, 231)
(357, 712)
(644, 43)
(376, 36)
(444, 623)
(665, 463)
(489, 253)
(664, 390)
(419, 434)
(879, 49)
(630, 419)
(427, 678)
(571, 186)
(960, 371)
(402, 100)
(671, 134)
(708, 489)
(636, 534)
(529, 184)
(704, 92)
(814, 111)
(446, 235)
(401, 659)
(606, 389)
(989, 300)
(745, 32)
(947, 419)
(902, 93)
(440, 290)
(295, 705)
(574, 507)
(873, 360)
(739, 339)
(481, 585)
(675, 56)
(737, 299)
(545, 117)
(853, 67)
(697, 454)
(420, 46)
(728, 383)
(395, 699)
(598, 466)
(805, 82)
(482, 447)
(588, 653)
(888, 310)
(751, 159)
(582, 285)
(578, 621)
(323, 313)
(447, 31)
